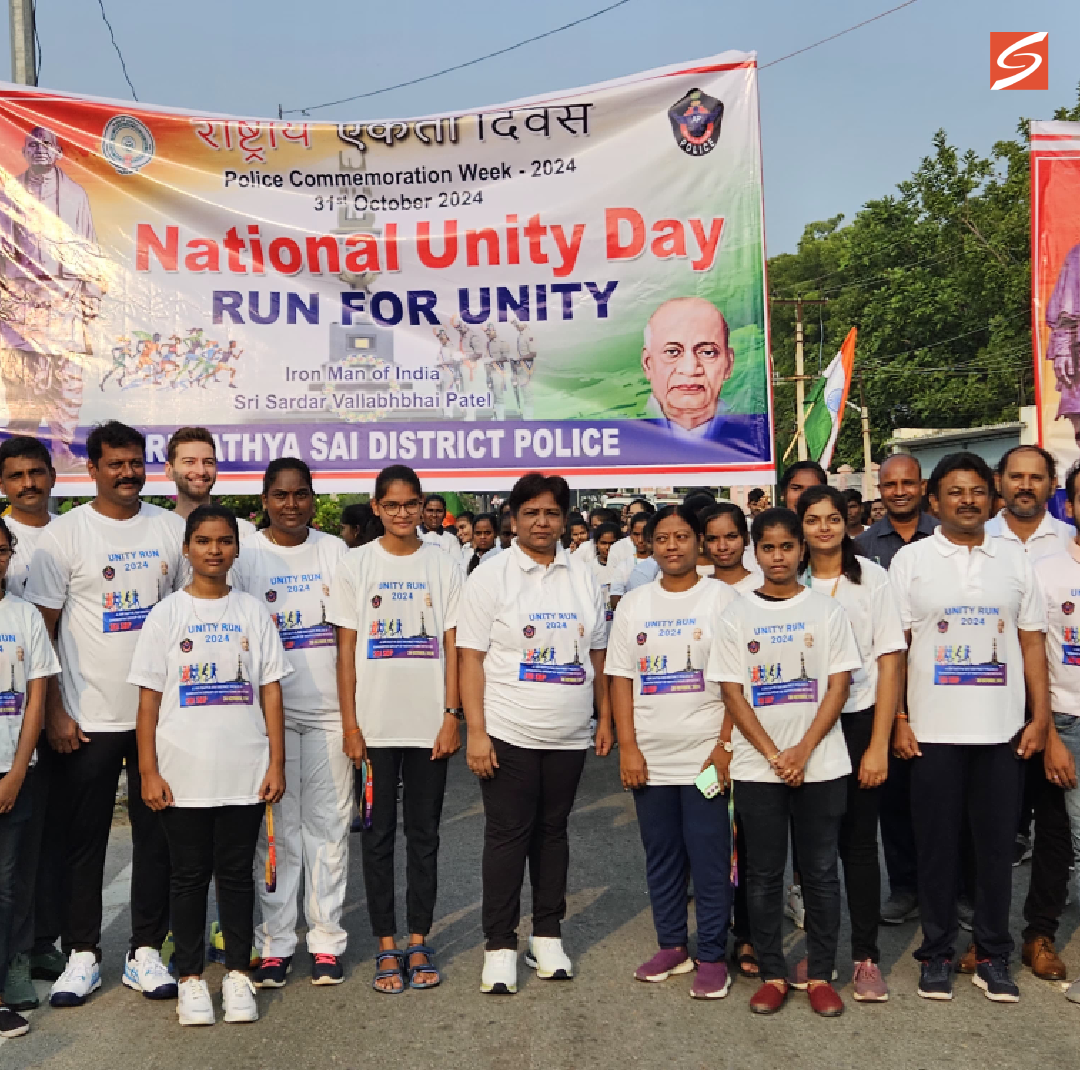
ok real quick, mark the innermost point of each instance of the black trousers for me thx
(423, 784)
(527, 805)
(217, 841)
(858, 842)
(897, 831)
(765, 810)
(740, 915)
(40, 867)
(986, 780)
(91, 775)
(12, 833)
(1051, 853)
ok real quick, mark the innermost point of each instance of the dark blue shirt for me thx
(881, 541)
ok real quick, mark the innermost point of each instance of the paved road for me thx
(602, 1019)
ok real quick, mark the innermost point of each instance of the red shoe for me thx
(824, 1000)
(769, 999)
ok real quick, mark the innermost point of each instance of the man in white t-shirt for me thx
(1059, 576)
(26, 481)
(103, 566)
(431, 530)
(975, 621)
(191, 464)
(1026, 477)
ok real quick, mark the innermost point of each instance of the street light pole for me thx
(23, 52)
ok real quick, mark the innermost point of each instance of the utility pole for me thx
(800, 375)
(23, 51)
(867, 461)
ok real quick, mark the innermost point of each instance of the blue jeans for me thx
(1068, 727)
(682, 830)
(12, 826)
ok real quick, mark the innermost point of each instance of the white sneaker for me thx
(794, 908)
(145, 972)
(500, 972)
(81, 978)
(547, 955)
(193, 1004)
(238, 997)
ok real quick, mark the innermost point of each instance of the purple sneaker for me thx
(666, 962)
(711, 981)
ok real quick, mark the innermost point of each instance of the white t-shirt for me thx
(585, 551)
(105, 576)
(875, 619)
(782, 653)
(466, 555)
(208, 659)
(25, 653)
(641, 571)
(605, 575)
(661, 640)
(754, 580)
(400, 607)
(964, 607)
(26, 539)
(1059, 577)
(537, 625)
(1050, 535)
(445, 541)
(622, 551)
(294, 582)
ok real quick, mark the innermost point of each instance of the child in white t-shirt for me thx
(209, 665)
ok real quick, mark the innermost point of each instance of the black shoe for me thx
(326, 970)
(899, 907)
(12, 1024)
(993, 979)
(935, 980)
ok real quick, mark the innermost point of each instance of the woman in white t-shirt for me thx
(669, 720)
(531, 636)
(26, 661)
(395, 603)
(783, 655)
(726, 540)
(290, 567)
(603, 570)
(485, 537)
(209, 665)
(861, 587)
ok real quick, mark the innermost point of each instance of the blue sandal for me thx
(428, 954)
(389, 973)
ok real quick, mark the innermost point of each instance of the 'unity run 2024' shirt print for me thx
(968, 655)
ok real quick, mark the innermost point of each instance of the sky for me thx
(841, 124)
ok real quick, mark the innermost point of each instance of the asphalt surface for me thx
(603, 1019)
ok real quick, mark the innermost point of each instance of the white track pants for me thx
(311, 835)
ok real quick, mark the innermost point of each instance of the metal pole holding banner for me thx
(23, 52)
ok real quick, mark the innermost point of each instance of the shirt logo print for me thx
(1068, 607)
(108, 573)
(186, 645)
(529, 631)
(943, 626)
(376, 601)
(271, 595)
(642, 638)
(753, 646)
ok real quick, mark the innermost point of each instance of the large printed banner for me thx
(1055, 285)
(573, 283)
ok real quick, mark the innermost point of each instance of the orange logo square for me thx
(1018, 61)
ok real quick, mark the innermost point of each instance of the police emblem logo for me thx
(943, 626)
(186, 645)
(642, 638)
(376, 601)
(695, 122)
(108, 573)
(529, 631)
(753, 646)
(126, 143)
(271, 595)
(808, 640)
(1068, 607)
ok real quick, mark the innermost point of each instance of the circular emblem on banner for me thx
(529, 631)
(642, 638)
(271, 595)
(1068, 607)
(126, 143)
(376, 600)
(108, 573)
(753, 646)
(185, 645)
(943, 626)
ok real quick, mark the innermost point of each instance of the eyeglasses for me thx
(392, 509)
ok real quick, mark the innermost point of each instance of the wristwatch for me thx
(459, 713)
(727, 747)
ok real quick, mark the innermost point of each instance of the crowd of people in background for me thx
(778, 685)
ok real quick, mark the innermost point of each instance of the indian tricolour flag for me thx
(828, 398)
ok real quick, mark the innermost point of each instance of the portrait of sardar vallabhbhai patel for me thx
(51, 282)
(687, 360)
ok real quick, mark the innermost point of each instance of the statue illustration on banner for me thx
(574, 283)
